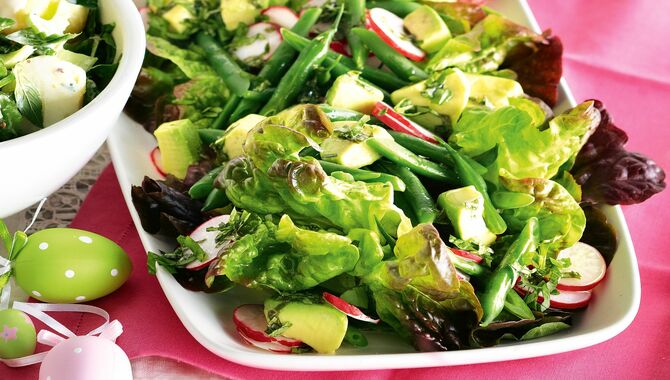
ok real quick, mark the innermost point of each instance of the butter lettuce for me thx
(525, 148)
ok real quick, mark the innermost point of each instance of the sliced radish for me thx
(586, 261)
(268, 346)
(144, 14)
(155, 156)
(340, 47)
(250, 320)
(315, 3)
(564, 300)
(265, 38)
(399, 123)
(347, 308)
(280, 15)
(467, 255)
(207, 241)
(390, 28)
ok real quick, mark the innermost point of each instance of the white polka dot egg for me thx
(66, 265)
(84, 358)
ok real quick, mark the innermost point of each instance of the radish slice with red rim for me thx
(155, 156)
(585, 260)
(264, 38)
(347, 308)
(467, 255)
(280, 15)
(207, 241)
(390, 28)
(340, 47)
(250, 320)
(564, 300)
(268, 346)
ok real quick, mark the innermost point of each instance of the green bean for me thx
(400, 8)
(432, 151)
(468, 267)
(420, 200)
(383, 79)
(209, 135)
(216, 199)
(354, 337)
(278, 64)
(403, 157)
(505, 275)
(236, 79)
(222, 120)
(356, 11)
(400, 200)
(517, 306)
(470, 177)
(400, 65)
(365, 175)
(340, 114)
(293, 82)
(204, 186)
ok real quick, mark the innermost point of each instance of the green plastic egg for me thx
(17, 334)
(66, 265)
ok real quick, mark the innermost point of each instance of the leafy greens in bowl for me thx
(443, 198)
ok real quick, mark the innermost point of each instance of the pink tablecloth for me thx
(616, 52)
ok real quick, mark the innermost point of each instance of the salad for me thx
(55, 57)
(377, 165)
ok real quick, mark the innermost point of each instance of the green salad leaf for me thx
(192, 63)
(10, 118)
(28, 100)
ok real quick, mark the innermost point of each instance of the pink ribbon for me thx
(107, 330)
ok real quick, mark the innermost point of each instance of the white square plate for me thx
(209, 317)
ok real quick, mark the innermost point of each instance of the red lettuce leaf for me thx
(539, 68)
(608, 173)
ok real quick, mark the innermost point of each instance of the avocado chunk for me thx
(351, 92)
(447, 93)
(180, 146)
(232, 143)
(310, 320)
(427, 26)
(347, 146)
(493, 91)
(236, 12)
(465, 209)
(177, 17)
(11, 59)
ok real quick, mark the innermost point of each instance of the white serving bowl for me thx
(36, 165)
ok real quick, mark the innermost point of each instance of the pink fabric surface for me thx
(616, 51)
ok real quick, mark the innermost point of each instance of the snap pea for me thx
(293, 82)
(354, 337)
(236, 79)
(505, 275)
(395, 61)
(432, 151)
(365, 175)
(278, 64)
(419, 165)
(517, 306)
(209, 135)
(420, 201)
(204, 186)
(216, 199)
(356, 11)
(400, 8)
(470, 177)
(468, 267)
(343, 64)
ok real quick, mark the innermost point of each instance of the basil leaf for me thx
(544, 330)
(29, 102)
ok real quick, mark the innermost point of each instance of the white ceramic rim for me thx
(132, 56)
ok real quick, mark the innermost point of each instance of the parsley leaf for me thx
(42, 42)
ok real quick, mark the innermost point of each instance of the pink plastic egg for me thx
(85, 358)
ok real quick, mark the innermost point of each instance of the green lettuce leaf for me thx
(525, 148)
(200, 99)
(560, 218)
(192, 63)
